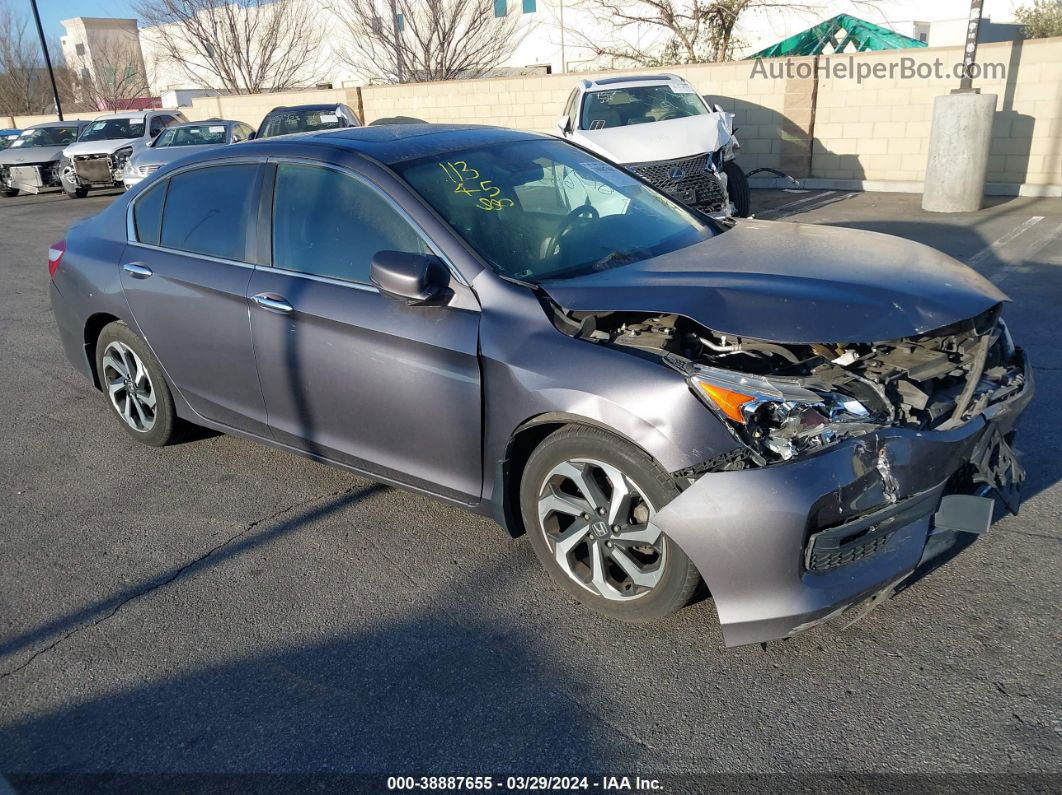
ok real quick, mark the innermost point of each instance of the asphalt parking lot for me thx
(220, 607)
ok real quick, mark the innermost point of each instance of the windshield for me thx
(113, 129)
(296, 121)
(7, 139)
(192, 136)
(639, 105)
(540, 210)
(47, 136)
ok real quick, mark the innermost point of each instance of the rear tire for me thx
(737, 185)
(132, 381)
(636, 574)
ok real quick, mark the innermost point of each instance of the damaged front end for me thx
(97, 170)
(853, 462)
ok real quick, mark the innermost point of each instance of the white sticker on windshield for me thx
(217, 129)
(136, 122)
(17, 143)
(329, 117)
(610, 175)
(682, 88)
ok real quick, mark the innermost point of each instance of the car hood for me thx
(658, 140)
(793, 283)
(150, 156)
(33, 154)
(100, 147)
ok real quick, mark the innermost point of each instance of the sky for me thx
(52, 11)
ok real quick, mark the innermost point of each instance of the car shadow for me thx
(444, 690)
(100, 610)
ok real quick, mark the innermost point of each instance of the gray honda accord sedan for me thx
(795, 416)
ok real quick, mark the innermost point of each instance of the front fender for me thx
(533, 370)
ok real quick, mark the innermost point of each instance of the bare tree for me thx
(111, 75)
(245, 46)
(24, 84)
(694, 31)
(400, 41)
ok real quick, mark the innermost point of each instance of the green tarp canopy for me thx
(864, 35)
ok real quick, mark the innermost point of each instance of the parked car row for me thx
(121, 149)
(656, 126)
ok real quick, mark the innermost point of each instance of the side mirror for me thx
(252, 135)
(564, 124)
(415, 278)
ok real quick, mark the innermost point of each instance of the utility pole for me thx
(564, 62)
(47, 60)
(960, 137)
(969, 56)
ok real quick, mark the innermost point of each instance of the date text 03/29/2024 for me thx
(634, 784)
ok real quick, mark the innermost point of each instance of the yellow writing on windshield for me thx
(468, 183)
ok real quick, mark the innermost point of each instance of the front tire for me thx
(136, 390)
(737, 186)
(74, 192)
(588, 499)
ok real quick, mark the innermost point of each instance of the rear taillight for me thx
(55, 256)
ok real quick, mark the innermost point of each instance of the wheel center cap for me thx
(599, 529)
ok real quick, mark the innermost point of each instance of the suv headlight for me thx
(782, 417)
(121, 156)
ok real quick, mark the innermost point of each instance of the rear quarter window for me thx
(208, 211)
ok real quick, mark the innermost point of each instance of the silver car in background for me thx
(32, 162)
(180, 140)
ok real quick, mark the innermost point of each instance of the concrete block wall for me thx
(22, 122)
(879, 129)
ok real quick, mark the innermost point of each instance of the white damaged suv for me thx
(98, 158)
(660, 128)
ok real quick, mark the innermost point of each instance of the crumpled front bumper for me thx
(748, 531)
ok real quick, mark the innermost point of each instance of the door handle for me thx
(272, 302)
(136, 270)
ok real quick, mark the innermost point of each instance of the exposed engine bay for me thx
(30, 177)
(783, 400)
(99, 169)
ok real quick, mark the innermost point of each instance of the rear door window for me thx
(209, 211)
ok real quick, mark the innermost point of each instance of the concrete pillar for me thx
(958, 152)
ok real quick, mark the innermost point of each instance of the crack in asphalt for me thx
(176, 575)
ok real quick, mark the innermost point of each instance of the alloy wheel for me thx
(598, 523)
(129, 386)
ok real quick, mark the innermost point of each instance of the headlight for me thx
(780, 418)
(121, 156)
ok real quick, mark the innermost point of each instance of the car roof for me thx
(135, 114)
(618, 81)
(67, 123)
(227, 122)
(397, 143)
(387, 144)
(318, 106)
